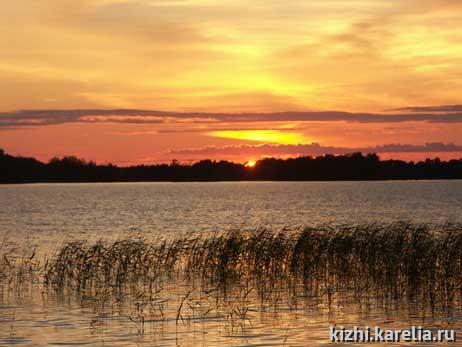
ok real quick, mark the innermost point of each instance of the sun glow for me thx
(250, 163)
(264, 136)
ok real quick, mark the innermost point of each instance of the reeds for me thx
(394, 261)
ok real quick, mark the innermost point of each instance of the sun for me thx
(250, 163)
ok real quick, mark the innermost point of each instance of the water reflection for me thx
(37, 318)
(234, 289)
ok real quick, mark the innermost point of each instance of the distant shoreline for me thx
(326, 168)
(242, 181)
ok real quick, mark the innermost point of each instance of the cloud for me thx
(313, 149)
(444, 108)
(349, 54)
(31, 118)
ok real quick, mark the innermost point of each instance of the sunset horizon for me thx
(237, 137)
(149, 81)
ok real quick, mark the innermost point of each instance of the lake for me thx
(39, 219)
(97, 210)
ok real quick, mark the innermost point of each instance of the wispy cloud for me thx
(313, 149)
(34, 118)
(424, 109)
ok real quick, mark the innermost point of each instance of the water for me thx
(82, 210)
(43, 216)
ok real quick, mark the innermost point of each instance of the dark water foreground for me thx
(256, 288)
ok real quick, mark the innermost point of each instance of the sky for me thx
(149, 81)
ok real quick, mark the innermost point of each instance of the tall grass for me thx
(394, 261)
(399, 261)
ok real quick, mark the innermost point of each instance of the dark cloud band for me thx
(31, 118)
(316, 149)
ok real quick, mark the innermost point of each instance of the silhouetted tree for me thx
(355, 166)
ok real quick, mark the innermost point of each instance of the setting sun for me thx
(250, 163)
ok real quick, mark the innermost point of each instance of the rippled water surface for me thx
(44, 216)
(101, 209)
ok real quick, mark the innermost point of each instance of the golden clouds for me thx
(262, 136)
(230, 55)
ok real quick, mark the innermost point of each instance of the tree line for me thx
(355, 166)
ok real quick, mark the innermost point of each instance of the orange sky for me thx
(211, 61)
